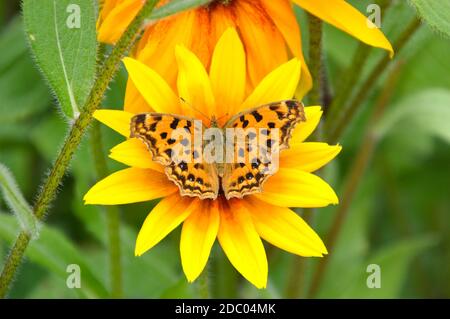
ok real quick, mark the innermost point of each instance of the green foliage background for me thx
(398, 219)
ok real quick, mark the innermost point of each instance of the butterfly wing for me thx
(170, 139)
(248, 176)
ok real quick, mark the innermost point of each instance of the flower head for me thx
(268, 30)
(239, 224)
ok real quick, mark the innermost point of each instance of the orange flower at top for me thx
(268, 29)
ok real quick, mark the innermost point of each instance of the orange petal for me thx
(241, 243)
(165, 217)
(161, 36)
(345, 17)
(130, 185)
(157, 47)
(308, 157)
(119, 121)
(117, 19)
(295, 188)
(283, 228)
(283, 16)
(198, 236)
(134, 153)
(260, 36)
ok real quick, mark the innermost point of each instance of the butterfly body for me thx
(181, 145)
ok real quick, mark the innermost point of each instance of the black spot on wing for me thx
(258, 117)
(174, 124)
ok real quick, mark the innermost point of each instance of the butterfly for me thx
(244, 174)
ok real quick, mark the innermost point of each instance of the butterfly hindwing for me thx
(249, 174)
(170, 139)
(194, 179)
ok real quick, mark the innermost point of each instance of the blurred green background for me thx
(398, 219)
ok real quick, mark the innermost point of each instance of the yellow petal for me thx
(116, 20)
(283, 228)
(283, 16)
(197, 238)
(194, 85)
(345, 17)
(308, 157)
(133, 152)
(228, 73)
(119, 121)
(278, 85)
(295, 188)
(241, 243)
(134, 101)
(304, 129)
(165, 217)
(156, 92)
(130, 185)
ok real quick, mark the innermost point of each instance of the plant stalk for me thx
(348, 113)
(357, 173)
(49, 188)
(112, 216)
(315, 58)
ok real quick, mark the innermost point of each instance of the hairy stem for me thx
(112, 216)
(356, 174)
(49, 188)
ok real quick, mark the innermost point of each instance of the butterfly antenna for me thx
(192, 107)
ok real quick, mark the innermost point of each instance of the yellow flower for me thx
(239, 224)
(268, 29)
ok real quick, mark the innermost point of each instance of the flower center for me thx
(214, 3)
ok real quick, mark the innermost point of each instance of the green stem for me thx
(13, 262)
(316, 97)
(112, 216)
(227, 284)
(351, 76)
(315, 59)
(358, 169)
(297, 282)
(204, 287)
(48, 190)
(347, 113)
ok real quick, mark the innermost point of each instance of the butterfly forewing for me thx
(171, 141)
(273, 125)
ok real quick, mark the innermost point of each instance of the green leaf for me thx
(176, 6)
(428, 111)
(63, 39)
(17, 203)
(54, 251)
(393, 261)
(22, 93)
(435, 13)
